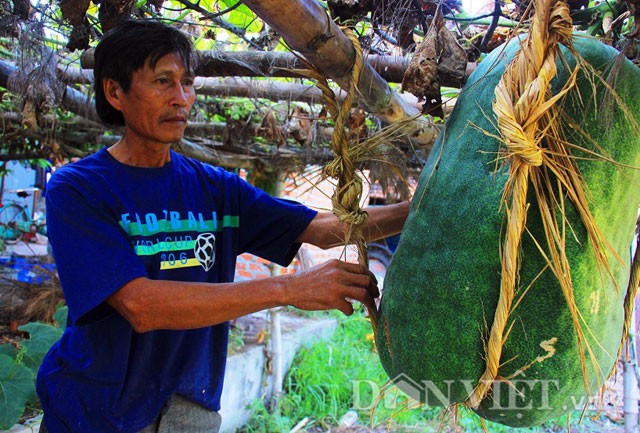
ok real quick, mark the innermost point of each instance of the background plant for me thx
(19, 367)
(319, 389)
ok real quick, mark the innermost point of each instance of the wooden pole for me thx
(217, 63)
(307, 29)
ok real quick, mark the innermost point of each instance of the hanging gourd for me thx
(506, 291)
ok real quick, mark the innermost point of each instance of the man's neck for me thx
(141, 155)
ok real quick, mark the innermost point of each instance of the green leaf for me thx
(241, 16)
(43, 163)
(244, 10)
(41, 337)
(8, 350)
(16, 387)
(60, 317)
(241, 9)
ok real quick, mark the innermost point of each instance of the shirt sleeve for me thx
(92, 253)
(270, 226)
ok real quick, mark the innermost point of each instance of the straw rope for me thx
(347, 194)
(522, 100)
(630, 296)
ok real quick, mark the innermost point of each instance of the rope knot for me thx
(335, 168)
(351, 192)
(355, 218)
(527, 151)
(560, 23)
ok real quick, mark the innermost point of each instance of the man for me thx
(146, 241)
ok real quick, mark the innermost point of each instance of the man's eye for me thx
(188, 82)
(162, 80)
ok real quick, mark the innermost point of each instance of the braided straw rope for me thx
(347, 194)
(346, 198)
(522, 99)
(630, 297)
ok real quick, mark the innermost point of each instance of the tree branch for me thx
(215, 18)
(497, 13)
(216, 63)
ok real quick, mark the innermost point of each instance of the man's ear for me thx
(113, 92)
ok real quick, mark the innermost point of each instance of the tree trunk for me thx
(274, 90)
(215, 63)
(263, 89)
(307, 29)
(282, 64)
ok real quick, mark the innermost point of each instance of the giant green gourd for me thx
(443, 283)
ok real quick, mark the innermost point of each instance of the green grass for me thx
(321, 387)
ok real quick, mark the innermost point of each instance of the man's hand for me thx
(152, 304)
(331, 285)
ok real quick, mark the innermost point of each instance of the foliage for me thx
(320, 385)
(320, 388)
(19, 367)
(239, 108)
(236, 339)
(241, 16)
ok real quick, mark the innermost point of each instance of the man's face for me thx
(158, 102)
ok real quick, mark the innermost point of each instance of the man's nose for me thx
(181, 95)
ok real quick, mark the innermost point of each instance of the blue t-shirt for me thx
(110, 223)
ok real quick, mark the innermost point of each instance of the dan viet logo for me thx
(205, 250)
(516, 394)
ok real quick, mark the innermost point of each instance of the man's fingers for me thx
(364, 298)
(342, 283)
(359, 276)
(369, 304)
(369, 282)
(373, 288)
(346, 307)
(357, 268)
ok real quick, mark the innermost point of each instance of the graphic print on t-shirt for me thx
(205, 250)
(181, 239)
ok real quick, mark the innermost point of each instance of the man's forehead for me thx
(154, 63)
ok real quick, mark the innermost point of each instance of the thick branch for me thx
(224, 87)
(212, 130)
(73, 100)
(264, 89)
(216, 63)
(307, 28)
(497, 13)
(79, 131)
(80, 104)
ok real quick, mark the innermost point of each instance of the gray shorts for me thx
(183, 416)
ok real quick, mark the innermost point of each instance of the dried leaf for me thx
(357, 125)
(74, 11)
(421, 77)
(29, 118)
(453, 58)
(439, 51)
(112, 11)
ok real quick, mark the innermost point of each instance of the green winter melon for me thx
(443, 284)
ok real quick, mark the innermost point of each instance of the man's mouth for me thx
(175, 119)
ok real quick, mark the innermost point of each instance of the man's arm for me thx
(150, 304)
(327, 231)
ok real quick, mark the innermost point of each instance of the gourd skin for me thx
(442, 286)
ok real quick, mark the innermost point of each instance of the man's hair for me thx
(125, 49)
